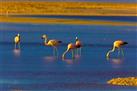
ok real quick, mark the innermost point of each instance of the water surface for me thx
(34, 68)
(108, 18)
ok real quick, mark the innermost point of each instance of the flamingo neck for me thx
(63, 56)
(46, 40)
(113, 49)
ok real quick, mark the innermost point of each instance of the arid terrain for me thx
(127, 81)
(67, 8)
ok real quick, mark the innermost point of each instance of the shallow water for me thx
(34, 67)
(108, 18)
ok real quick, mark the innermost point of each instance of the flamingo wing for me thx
(53, 42)
(119, 43)
(16, 39)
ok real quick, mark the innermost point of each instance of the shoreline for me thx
(9, 19)
(54, 14)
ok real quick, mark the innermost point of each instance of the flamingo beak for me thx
(125, 43)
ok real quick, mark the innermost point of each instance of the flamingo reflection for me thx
(116, 62)
(16, 52)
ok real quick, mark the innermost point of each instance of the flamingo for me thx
(78, 45)
(117, 45)
(70, 47)
(17, 41)
(53, 43)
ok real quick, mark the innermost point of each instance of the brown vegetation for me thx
(67, 8)
(128, 81)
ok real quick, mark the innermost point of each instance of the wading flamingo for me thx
(17, 41)
(78, 46)
(53, 43)
(70, 47)
(117, 45)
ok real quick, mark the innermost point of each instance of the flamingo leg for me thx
(19, 45)
(15, 46)
(73, 54)
(80, 51)
(118, 52)
(53, 51)
(56, 50)
(77, 51)
(122, 52)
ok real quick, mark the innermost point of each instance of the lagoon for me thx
(35, 69)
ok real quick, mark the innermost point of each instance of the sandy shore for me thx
(8, 19)
(128, 81)
(67, 8)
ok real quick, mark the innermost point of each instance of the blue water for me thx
(34, 68)
(108, 18)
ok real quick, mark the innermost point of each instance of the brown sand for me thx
(127, 81)
(67, 8)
